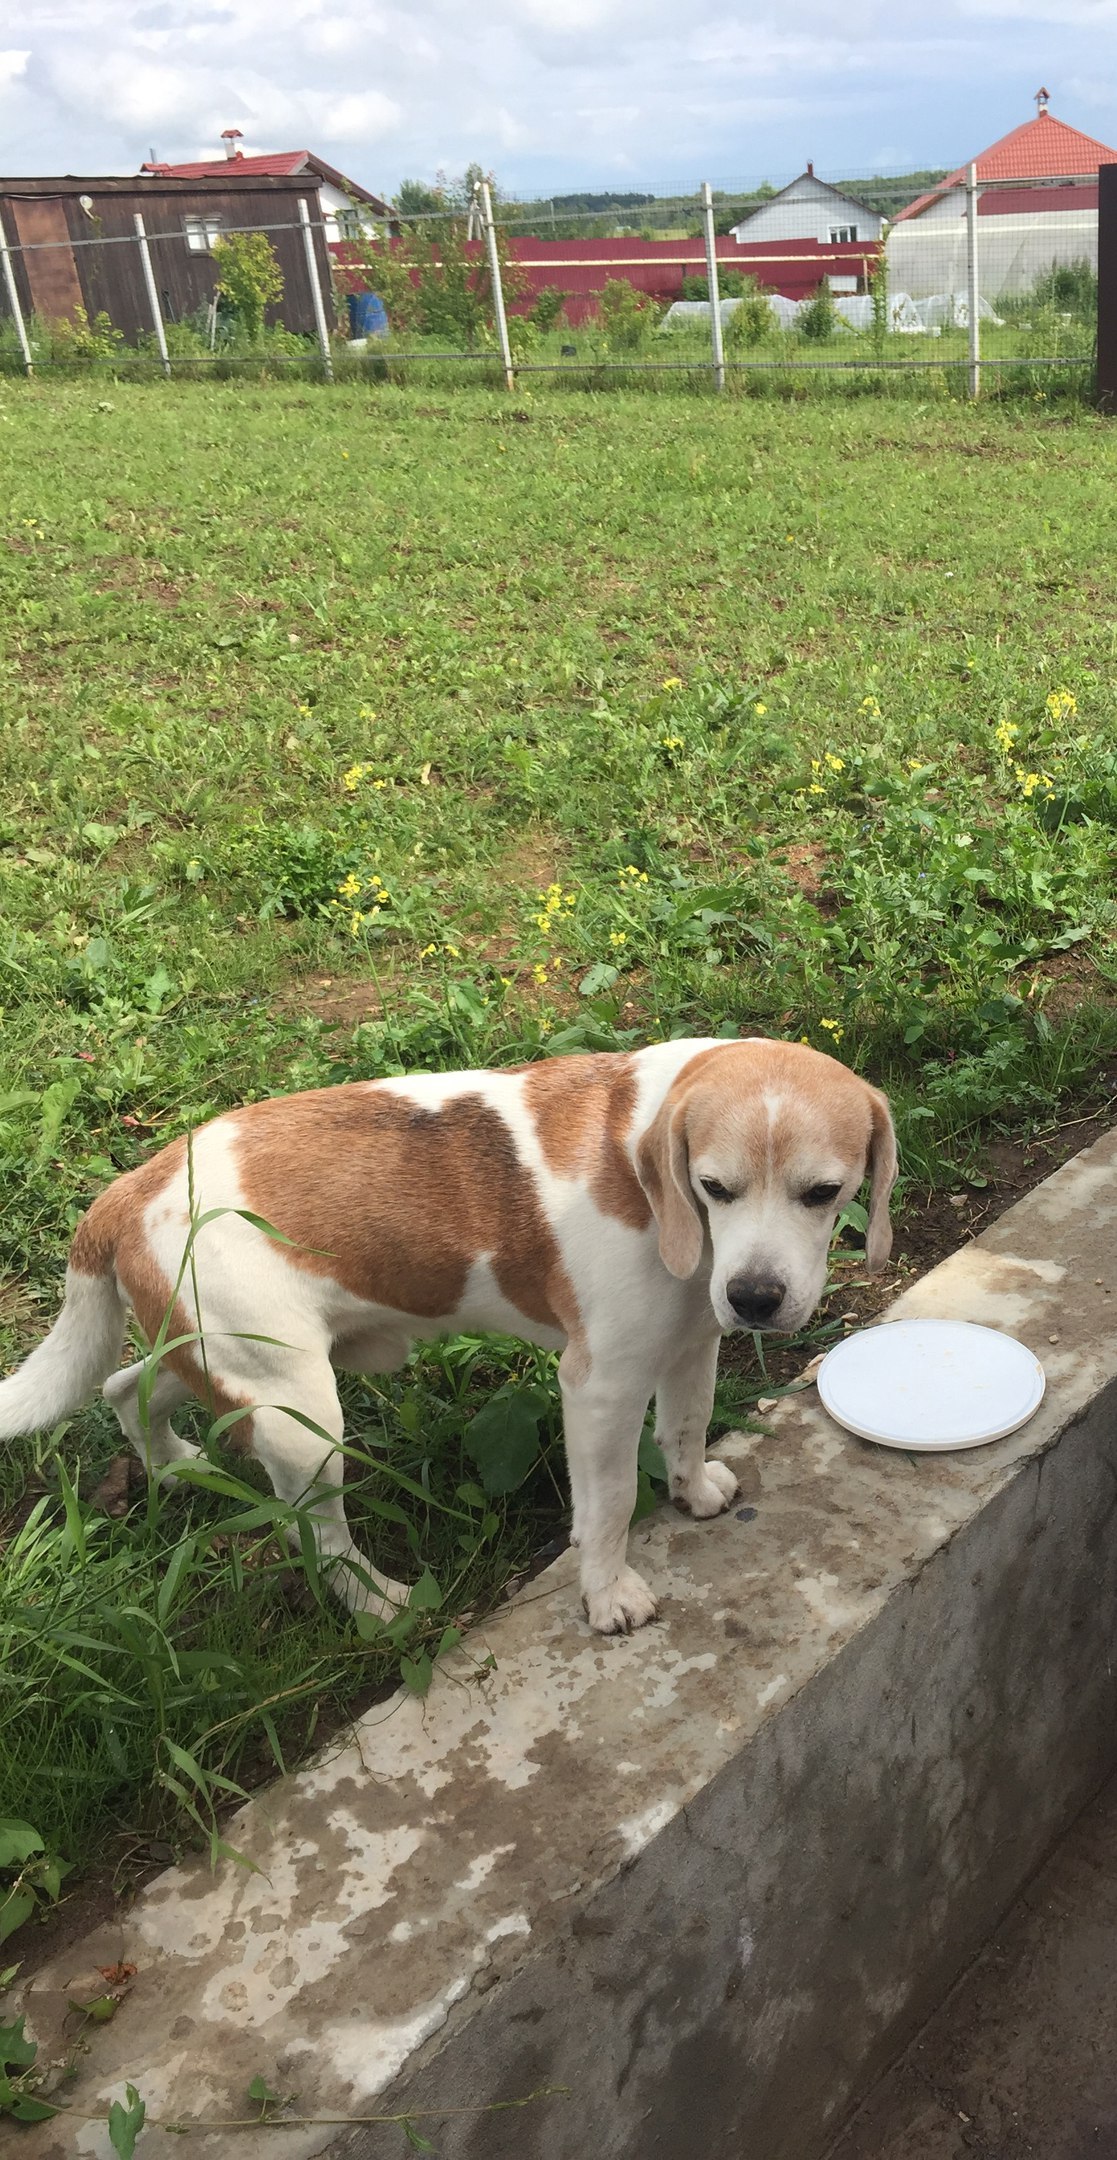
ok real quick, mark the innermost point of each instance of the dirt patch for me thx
(124, 574)
(335, 1001)
(1061, 982)
(1019, 2062)
(532, 864)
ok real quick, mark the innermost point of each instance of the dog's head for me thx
(753, 1153)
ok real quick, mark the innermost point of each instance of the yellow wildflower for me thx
(427, 951)
(1061, 704)
(618, 937)
(836, 764)
(833, 1028)
(1005, 735)
(539, 972)
(349, 888)
(673, 682)
(1030, 781)
(760, 708)
(869, 705)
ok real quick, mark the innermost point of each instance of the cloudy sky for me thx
(551, 94)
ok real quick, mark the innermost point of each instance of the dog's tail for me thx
(81, 1350)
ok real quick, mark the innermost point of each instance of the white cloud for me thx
(554, 93)
(362, 116)
(12, 66)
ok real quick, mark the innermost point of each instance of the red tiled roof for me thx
(278, 165)
(1041, 149)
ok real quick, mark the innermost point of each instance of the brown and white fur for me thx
(626, 1210)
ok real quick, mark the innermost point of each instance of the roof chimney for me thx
(810, 167)
(1043, 100)
(232, 139)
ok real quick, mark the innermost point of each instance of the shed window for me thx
(838, 233)
(201, 232)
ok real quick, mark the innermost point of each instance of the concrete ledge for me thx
(709, 1878)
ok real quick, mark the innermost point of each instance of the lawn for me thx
(357, 730)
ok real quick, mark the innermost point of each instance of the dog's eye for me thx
(820, 1196)
(715, 1190)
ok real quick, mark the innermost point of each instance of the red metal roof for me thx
(278, 165)
(1041, 149)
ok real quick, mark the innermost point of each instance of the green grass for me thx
(758, 690)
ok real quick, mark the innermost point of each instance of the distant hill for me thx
(600, 215)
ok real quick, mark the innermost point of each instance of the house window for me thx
(350, 224)
(838, 233)
(201, 232)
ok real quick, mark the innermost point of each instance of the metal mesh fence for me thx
(976, 282)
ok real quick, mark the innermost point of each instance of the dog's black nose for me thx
(755, 1298)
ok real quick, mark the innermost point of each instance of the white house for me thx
(1038, 207)
(347, 209)
(810, 209)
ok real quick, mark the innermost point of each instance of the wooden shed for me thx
(73, 243)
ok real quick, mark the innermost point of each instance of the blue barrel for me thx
(368, 316)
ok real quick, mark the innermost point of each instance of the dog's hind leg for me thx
(305, 1468)
(159, 1447)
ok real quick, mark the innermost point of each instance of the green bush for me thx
(547, 308)
(819, 319)
(76, 338)
(523, 336)
(1069, 289)
(732, 285)
(752, 320)
(249, 277)
(626, 315)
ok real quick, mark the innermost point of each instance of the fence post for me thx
(498, 289)
(1107, 289)
(971, 282)
(716, 346)
(13, 303)
(320, 323)
(152, 293)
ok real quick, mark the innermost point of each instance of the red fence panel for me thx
(582, 268)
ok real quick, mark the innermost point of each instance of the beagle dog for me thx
(626, 1210)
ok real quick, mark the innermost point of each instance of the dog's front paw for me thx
(710, 1493)
(626, 1603)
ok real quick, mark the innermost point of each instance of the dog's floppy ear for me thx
(661, 1166)
(882, 1171)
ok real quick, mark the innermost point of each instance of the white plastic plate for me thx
(931, 1384)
